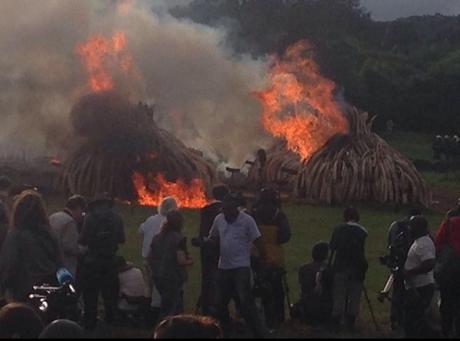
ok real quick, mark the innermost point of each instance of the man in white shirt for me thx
(419, 279)
(236, 231)
(65, 225)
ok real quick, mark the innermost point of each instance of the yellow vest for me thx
(274, 253)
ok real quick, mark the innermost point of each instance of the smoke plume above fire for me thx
(200, 89)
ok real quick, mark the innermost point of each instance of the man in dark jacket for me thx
(275, 230)
(349, 266)
(102, 232)
(210, 252)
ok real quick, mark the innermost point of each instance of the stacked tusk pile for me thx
(114, 139)
(360, 166)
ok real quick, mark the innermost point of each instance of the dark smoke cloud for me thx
(186, 69)
(385, 10)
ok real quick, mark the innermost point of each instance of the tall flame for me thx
(299, 104)
(99, 54)
(187, 195)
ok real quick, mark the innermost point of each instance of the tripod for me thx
(371, 310)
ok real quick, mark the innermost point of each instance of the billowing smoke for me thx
(200, 89)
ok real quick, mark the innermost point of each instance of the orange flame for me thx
(98, 54)
(187, 195)
(299, 104)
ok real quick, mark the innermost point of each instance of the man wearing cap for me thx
(419, 279)
(65, 224)
(236, 231)
(102, 233)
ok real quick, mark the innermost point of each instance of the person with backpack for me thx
(349, 266)
(447, 271)
(315, 281)
(275, 231)
(102, 233)
(399, 241)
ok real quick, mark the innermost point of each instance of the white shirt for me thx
(235, 240)
(422, 249)
(149, 229)
(132, 285)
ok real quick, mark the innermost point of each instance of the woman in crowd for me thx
(149, 229)
(168, 259)
(30, 254)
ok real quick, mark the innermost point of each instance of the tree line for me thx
(406, 70)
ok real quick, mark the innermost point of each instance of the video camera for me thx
(56, 301)
(397, 254)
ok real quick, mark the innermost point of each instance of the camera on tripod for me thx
(394, 260)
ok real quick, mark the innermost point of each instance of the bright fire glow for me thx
(99, 54)
(299, 104)
(190, 195)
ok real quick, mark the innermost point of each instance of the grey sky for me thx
(383, 10)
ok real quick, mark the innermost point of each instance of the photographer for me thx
(399, 242)
(275, 231)
(418, 279)
(349, 266)
(448, 271)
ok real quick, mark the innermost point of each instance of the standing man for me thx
(65, 225)
(275, 229)
(399, 241)
(349, 267)
(448, 278)
(419, 280)
(236, 231)
(102, 233)
(209, 252)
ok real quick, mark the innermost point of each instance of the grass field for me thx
(309, 224)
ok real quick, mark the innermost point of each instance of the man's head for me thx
(18, 320)
(320, 251)
(230, 207)
(351, 214)
(167, 205)
(219, 192)
(62, 329)
(269, 195)
(414, 212)
(418, 226)
(76, 204)
(188, 326)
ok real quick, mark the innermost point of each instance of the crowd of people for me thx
(446, 148)
(242, 260)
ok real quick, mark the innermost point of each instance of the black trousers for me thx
(172, 301)
(450, 305)
(417, 302)
(273, 302)
(237, 282)
(99, 278)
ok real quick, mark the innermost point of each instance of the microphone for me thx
(64, 277)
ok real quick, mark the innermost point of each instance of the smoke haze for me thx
(201, 90)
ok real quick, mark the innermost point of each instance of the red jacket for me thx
(449, 234)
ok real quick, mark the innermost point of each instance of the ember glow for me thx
(187, 195)
(299, 104)
(101, 56)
